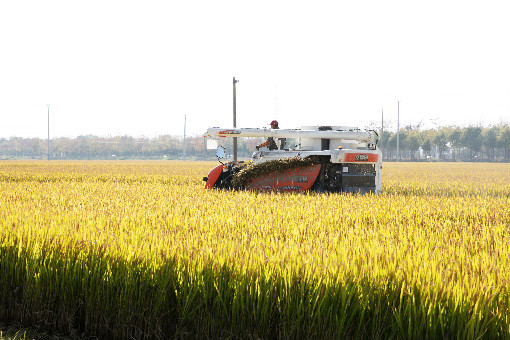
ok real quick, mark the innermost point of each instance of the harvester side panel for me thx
(298, 179)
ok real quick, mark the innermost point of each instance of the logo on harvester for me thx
(229, 132)
(299, 179)
(289, 187)
(361, 158)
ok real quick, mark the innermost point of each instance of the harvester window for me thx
(293, 143)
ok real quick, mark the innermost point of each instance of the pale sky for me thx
(137, 67)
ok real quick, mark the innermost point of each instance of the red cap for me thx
(274, 122)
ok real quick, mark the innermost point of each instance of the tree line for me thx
(117, 147)
(473, 143)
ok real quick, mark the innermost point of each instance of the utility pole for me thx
(398, 131)
(48, 131)
(184, 143)
(382, 123)
(235, 124)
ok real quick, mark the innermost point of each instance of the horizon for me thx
(392, 129)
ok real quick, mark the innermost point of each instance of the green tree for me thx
(392, 143)
(454, 137)
(472, 138)
(441, 142)
(413, 143)
(426, 146)
(489, 138)
(503, 140)
(403, 142)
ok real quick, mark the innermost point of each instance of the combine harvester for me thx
(324, 159)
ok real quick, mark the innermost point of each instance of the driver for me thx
(270, 142)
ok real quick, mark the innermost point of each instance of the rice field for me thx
(123, 250)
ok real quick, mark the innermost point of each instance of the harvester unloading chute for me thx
(353, 134)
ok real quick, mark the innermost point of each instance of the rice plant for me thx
(139, 250)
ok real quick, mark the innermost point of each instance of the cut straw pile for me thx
(251, 171)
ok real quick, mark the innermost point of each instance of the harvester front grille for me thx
(358, 177)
